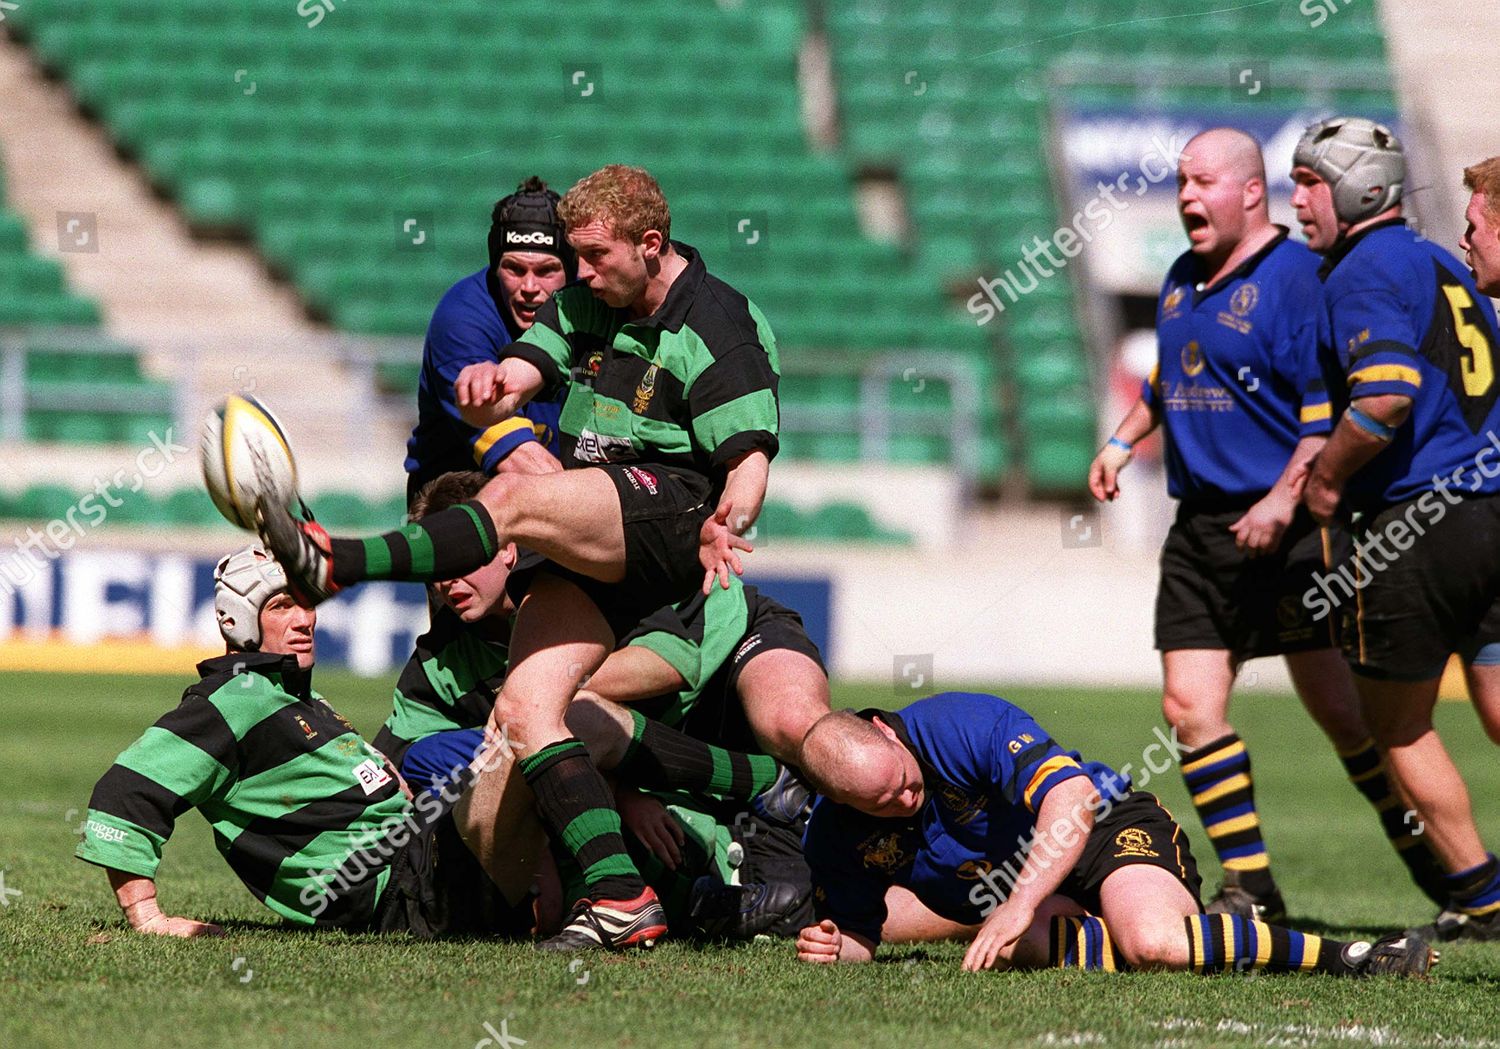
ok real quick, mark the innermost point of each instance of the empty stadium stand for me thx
(360, 146)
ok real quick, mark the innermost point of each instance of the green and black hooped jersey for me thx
(691, 386)
(449, 683)
(291, 790)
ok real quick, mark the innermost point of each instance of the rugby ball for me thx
(246, 456)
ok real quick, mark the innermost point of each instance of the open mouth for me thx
(1194, 222)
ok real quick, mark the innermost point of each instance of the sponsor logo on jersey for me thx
(371, 775)
(973, 870)
(1015, 745)
(1133, 841)
(638, 477)
(104, 832)
(598, 448)
(307, 730)
(746, 646)
(534, 237)
(644, 391)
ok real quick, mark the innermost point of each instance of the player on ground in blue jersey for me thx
(1239, 390)
(967, 802)
(1414, 454)
(487, 310)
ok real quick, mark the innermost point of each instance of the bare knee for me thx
(1196, 723)
(1154, 945)
(503, 497)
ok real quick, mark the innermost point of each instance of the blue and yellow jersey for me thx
(986, 767)
(467, 328)
(1407, 319)
(1242, 371)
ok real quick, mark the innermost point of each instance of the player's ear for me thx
(1255, 193)
(508, 556)
(885, 730)
(651, 243)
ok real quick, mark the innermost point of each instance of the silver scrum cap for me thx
(243, 583)
(1361, 161)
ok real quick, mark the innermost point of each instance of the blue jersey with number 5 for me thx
(1407, 319)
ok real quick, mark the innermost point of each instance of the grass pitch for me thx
(72, 974)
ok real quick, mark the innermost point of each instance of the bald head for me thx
(1227, 151)
(862, 764)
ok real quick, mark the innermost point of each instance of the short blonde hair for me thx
(627, 199)
(1484, 177)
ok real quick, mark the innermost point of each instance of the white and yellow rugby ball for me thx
(246, 456)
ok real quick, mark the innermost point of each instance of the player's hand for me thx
(1259, 531)
(648, 819)
(490, 392)
(1104, 472)
(1322, 499)
(820, 943)
(717, 543)
(997, 935)
(166, 925)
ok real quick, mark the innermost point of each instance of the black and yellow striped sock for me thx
(1366, 769)
(661, 758)
(444, 545)
(1218, 777)
(575, 804)
(1222, 943)
(1082, 943)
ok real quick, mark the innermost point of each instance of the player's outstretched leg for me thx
(1153, 922)
(653, 756)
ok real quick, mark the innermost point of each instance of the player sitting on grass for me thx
(668, 428)
(937, 796)
(307, 814)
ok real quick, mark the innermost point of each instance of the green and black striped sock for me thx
(661, 758)
(444, 545)
(575, 804)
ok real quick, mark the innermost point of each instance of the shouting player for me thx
(1239, 391)
(1412, 454)
(668, 429)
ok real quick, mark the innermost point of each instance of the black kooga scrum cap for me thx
(527, 220)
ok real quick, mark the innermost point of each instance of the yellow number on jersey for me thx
(1477, 365)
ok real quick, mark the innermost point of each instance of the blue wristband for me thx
(1375, 428)
(1115, 442)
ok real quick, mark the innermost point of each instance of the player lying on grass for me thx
(1244, 300)
(311, 818)
(938, 796)
(1411, 454)
(669, 426)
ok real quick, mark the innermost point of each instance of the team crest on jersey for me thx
(1244, 299)
(645, 391)
(1172, 304)
(307, 730)
(592, 365)
(1240, 304)
(966, 808)
(1192, 359)
(883, 852)
(1132, 841)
